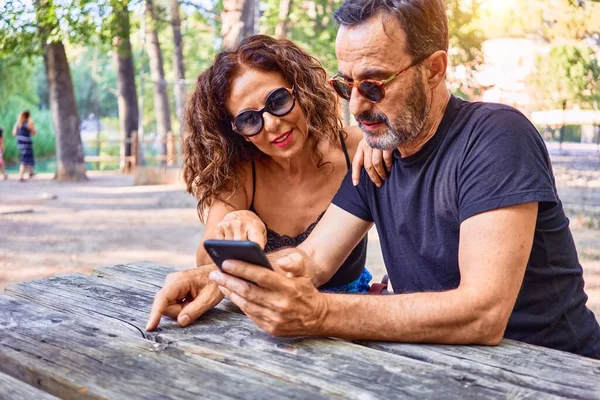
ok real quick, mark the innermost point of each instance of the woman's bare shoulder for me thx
(244, 176)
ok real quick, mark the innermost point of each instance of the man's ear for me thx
(438, 62)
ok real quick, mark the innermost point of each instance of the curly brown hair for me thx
(213, 153)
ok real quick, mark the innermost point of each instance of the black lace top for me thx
(352, 267)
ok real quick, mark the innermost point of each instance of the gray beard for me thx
(408, 125)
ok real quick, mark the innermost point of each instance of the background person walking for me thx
(2, 171)
(24, 130)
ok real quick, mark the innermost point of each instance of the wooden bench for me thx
(79, 336)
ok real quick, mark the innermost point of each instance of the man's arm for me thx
(493, 253)
(332, 240)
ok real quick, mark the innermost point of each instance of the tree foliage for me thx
(87, 27)
(570, 73)
(311, 26)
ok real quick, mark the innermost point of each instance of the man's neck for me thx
(434, 118)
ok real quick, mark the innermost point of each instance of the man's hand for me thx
(283, 303)
(374, 161)
(242, 225)
(185, 296)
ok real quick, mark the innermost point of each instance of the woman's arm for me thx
(231, 220)
(218, 210)
(15, 130)
(31, 128)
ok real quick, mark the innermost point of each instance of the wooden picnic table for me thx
(79, 337)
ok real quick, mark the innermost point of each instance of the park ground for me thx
(49, 228)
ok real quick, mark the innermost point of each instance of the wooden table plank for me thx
(233, 339)
(114, 303)
(535, 367)
(74, 292)
(14, 389)
(535, 359)
(145, 274)
(73, 359)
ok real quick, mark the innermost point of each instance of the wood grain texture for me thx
(14, 389)
(144, 274)
(526, 366)
(502, 362)
(230, 338)
(340, 368)
(113, 303)
(78, 295)
(76, 359)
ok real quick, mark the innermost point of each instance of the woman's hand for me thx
(185, 296)
(374, 161)
(242, 225)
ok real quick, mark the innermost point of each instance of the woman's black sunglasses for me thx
(279, 103)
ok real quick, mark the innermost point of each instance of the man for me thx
(473, 235)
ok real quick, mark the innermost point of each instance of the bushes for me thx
(572, 133)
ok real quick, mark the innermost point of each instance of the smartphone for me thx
(243, 250)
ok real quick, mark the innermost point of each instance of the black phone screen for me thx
(243, 250)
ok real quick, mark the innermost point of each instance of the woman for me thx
(3, 173)
(265, 153)
(24, 130)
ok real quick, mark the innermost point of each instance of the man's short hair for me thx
(424, 22)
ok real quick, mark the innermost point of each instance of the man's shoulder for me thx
(482, 112)
(492, 119)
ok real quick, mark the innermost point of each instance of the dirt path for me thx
(51, 228)
(57, 227)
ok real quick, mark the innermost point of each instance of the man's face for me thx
(366, 51)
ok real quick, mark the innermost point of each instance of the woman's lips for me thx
(283, 140)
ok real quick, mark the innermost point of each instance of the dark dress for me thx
(352, 276)
(25, 145)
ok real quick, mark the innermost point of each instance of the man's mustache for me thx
(371, 118)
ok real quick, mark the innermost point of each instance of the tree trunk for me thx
(70, 164)
(128, 103)
(161, 100)
(239, 20)
(179, 87)
(281, 30)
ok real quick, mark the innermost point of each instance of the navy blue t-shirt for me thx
(482, 157)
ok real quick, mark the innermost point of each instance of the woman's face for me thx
(281, 137)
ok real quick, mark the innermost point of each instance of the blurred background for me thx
(540, 56)
(105, 81)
